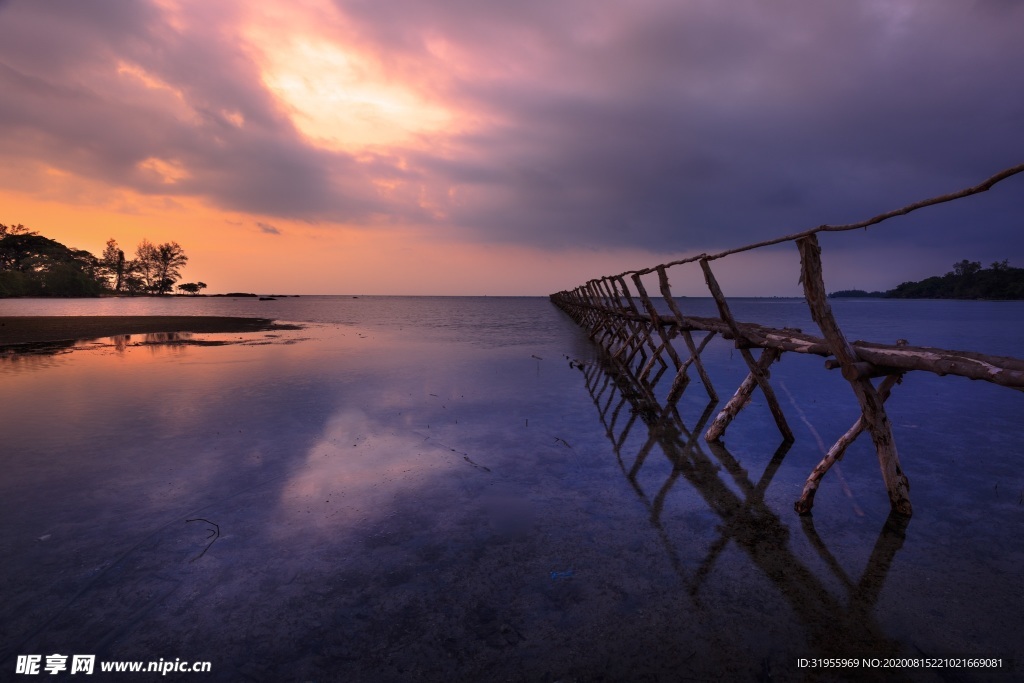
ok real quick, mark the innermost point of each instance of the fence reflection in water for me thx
(632, 413)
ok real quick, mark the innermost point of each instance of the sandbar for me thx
(33, 329)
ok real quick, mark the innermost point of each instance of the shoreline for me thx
(17, 330)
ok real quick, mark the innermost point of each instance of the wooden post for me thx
(602, 323)
(621, 337)
(759, 374)
(835, 454)
(872, 409)
(666, 292)
(641, 332)
(656, 320)
(741, 397)
(681, 380)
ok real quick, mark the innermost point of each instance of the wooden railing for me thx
(639, 339)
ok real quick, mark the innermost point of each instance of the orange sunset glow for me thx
(435, 148)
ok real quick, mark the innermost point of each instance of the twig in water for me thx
(476, 465)
(214, 534)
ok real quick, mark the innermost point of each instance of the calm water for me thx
(425, 489)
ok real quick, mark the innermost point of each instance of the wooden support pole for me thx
(760, 375)
(835, 454)
(741, 397)
(641, 329)
(619, 337)
(666, 291)
(872, 410)
(656, 321)
(682, 379)
(602, 327)
(621, 330)
(645, 371)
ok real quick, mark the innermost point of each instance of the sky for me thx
(472, 147)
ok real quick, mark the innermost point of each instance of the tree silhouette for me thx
(33, 265)
(112, 264)
(191, 287)
(159, 265)
(966, 268)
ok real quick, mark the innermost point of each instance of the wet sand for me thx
(34, 329)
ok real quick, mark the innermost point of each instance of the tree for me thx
(968, 281)
(33, 265)
(132, 282)
(170, 259)
(966, 268)
(191, 287)
(18, 229)
(112, 264)
(159, 265)
(146, 265)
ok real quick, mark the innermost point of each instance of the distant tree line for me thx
(967, 280)
(34, 265)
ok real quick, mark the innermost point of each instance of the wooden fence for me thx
(627, 324)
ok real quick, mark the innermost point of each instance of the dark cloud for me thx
(77, 94)
(696, 125)
(666, 125)
(267, 228)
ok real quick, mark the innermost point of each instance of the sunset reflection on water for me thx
(394, 499)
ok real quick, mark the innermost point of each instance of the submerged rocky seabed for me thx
(430, 490)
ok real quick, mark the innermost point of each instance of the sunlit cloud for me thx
(509, 130)
(341, 100)
(167, 171)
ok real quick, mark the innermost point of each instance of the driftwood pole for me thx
(624, 332)
(641, 332)
(835, 454)
(760, 374)
(656, 322)
(872, 410)
(742, 396)
(666, 291)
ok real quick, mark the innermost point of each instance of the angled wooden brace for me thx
(742, 396)
(619, 327)
(758, 372)
(656, 321)
(643, 329)
(666, 338)
(872, 409)
(695, 352)
(835, 454)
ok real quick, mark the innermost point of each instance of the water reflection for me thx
(360, 539)
(21, 357)
(33, 355)
(835, 625)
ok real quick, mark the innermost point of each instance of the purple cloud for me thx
(664, 125)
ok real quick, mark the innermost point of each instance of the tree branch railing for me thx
(640, 337)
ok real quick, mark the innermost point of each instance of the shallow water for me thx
(426, 489)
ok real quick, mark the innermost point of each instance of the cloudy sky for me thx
(483, 147)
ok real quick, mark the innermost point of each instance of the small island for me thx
(967, 280)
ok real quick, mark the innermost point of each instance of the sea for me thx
(464, 488)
